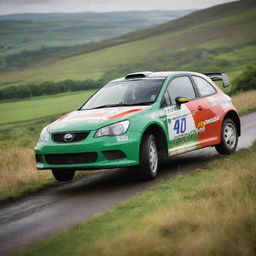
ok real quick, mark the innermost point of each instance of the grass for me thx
(208, 212)
(16, 111)
(19, 177)
(245, 102)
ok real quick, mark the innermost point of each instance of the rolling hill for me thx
(19, 32)
(220, 38)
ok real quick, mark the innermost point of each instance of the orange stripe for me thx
(124, 113)
(100, 114)
(61, 118)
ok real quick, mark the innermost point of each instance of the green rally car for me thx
(139, 120)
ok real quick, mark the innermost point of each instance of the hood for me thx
(92, 119)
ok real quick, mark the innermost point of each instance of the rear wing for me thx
(219, 77)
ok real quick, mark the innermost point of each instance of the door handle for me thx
(200, 107)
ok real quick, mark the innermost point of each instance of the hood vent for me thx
(138, 75)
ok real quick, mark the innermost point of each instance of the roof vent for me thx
(138, 75)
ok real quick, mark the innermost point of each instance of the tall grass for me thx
(18, 174)
(218, 219)
(245, 102)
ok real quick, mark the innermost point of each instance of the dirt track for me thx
(44, 213)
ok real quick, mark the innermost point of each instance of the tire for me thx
(63, 174)
(148, 158)
(229, 138)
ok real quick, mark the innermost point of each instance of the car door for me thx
(205, 115)
(180, 123)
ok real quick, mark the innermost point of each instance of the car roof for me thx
(154, 75)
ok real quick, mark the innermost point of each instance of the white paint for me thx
(173, 113)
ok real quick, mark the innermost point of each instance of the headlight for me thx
(44, 136)
(113, 129)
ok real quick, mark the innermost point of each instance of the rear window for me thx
(204, 88)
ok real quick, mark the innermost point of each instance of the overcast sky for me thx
(42, 6)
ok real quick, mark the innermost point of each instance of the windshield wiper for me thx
(140, 103)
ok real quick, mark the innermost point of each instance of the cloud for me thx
(18, 6)
(19, 2)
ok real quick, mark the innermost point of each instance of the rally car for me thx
(139, 120)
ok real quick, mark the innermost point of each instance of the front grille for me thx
(78, 158)
(68, 137)
(114, 154)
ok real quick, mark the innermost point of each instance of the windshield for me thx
(125, 93)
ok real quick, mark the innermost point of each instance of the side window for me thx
(181, 87)
(204, 88)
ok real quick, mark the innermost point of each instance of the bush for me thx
(245, 81)
(9, 92)
(46, 88)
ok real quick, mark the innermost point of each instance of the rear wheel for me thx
(148, 158)
(63, 174)
(229, 138)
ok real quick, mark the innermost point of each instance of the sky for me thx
(46, 6)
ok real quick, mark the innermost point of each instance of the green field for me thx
(36, 108)
(223, 38)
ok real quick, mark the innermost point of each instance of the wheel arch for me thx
(161, 140)
(232, 114)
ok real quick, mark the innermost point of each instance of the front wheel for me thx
(229, 138)
(148, 158)
(63, 174)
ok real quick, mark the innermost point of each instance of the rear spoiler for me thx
(219, 77)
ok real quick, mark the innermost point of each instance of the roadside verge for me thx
(210, 211)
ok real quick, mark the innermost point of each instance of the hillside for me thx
(19, 32)
(220, 38)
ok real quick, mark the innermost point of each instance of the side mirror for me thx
(180, 100)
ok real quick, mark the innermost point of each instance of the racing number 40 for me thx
(180, 125)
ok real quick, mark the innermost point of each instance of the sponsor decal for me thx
(212, 120)
(171, 109)
(201, 124)
(224, 102)
(208, 121)
(122, 138)
(179, 121)
(185, 138)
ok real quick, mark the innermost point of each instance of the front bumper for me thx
(128, 144)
